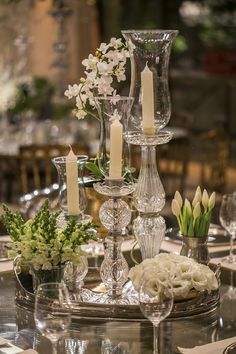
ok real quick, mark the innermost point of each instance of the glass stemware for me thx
(156, 302)
(228, 221)
(52, 311)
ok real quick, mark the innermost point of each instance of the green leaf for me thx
(92, 167)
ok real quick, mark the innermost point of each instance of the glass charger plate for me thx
(217, 236)
(87, 310)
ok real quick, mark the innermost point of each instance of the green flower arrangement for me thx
(194, 218)
(41, 244)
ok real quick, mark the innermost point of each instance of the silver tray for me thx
(203, 303)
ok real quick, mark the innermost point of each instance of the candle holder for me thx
(115, 215)
(149, 52)
(60, 164)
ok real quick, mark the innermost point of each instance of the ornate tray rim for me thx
(204, 303)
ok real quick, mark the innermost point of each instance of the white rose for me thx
(181, 287)
(184, 270)
(199, 280)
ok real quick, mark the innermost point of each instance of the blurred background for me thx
(43, 43)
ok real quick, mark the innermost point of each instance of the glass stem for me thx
(155, 339)
(54, 347)
(231, 253)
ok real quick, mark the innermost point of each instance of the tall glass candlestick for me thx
(149, 52)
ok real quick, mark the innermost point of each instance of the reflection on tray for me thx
(217, 235)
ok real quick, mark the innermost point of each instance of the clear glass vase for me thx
(151, 48)
(60, 164)
(54, 275)
(114, 157)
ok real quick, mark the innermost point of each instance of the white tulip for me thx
(178, 198)
(196, 211)
(197, 196)
(205, 199)
(175, 207)
(212, 200)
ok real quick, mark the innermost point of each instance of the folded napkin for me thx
(211, 348)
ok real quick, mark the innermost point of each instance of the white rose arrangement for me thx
(103, 71)
(41, 244)
(180, 273)
(194, 218)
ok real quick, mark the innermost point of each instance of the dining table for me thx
(93, 335)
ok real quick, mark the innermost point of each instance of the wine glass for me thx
(52, 311)
(228, 221)
(156, 302)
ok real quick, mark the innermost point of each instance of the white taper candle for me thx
(116, 146)
(72, 184)
(147, 101)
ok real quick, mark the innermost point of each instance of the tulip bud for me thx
(205, 199)
(178, 198)
(197, 196)
(175, 207)
(212, 200)
(196, 211)
(188, 206)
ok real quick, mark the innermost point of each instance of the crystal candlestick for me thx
(149, 199)
(149, 51)
(115, 215)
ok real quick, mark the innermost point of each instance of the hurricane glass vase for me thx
(60, 164)
(152, 48)
(114, 156)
